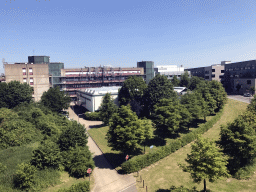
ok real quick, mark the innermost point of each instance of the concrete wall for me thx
(40, 76)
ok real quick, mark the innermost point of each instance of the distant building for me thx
(75, 79)
(91, 98)
(148, 67)
(180, 90)
(170, 71)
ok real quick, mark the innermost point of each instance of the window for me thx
(24, 71)
(31, 81)
(213, 75)
(221, 76)
(222, 71)
(30, 71)
(206, 72)
(213, 70)
(249, 82)
(24, 80)
(206, 77)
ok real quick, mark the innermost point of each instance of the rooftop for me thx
(103, 90)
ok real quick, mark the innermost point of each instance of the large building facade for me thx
(170, 71)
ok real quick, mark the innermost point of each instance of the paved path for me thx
(240, 98)
(106, 178)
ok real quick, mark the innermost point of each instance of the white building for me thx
(91, 98)
(169, 70)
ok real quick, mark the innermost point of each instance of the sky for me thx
(192, 33)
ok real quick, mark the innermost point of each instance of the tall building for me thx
(148, 67)
(36, 75)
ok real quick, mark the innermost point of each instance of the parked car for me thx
(247, 95)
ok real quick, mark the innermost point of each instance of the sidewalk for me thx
(106, 178)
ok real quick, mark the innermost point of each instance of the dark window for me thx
(213, 75)
(206, 77)
(206, 72)
(249, 82)
(221, 76)
(222, 71)
(213, 70)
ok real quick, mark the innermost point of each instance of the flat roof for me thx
(102, 90)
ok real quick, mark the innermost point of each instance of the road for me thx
(106, 177)
(240, 98)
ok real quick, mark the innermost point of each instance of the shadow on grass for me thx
(156, 141)
(96, 126)
(109, 160)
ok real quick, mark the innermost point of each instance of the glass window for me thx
(30, 71)
(24, 71)
(24, 80)
(31, 81)
(249, 82)
(213, 70)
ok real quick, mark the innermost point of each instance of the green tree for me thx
(132, 93)
(126, 131)
(107, 108)
(238, 140)
(251, 107)
(218, 93)
(184, 79)
(194, 82)
(175, 81)
(47, 155)
(252, 89)
(73, 135)
(14, 93)
(55, 99)
(25, 176)
(205, 162)
(158, 88)
(77, 160)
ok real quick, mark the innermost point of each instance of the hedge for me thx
(139, 162)
(93, 116)
(79, 187)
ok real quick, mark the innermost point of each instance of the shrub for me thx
(93, 116)
(47, 155)
(80, 187)
(139, 162)
(25, 176)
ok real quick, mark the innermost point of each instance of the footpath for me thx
(106, 177)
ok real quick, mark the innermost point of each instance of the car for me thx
(247, 95)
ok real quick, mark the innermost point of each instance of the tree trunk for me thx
(204, 185)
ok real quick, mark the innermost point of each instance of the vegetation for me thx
(175, 81)
(126, 131)
(79, 187)
(14, 93)
(92, 116)
(184, 80)
(107, 108)
(205, 162)
(55, 99)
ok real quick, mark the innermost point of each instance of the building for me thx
(72, 80)
(170, 71)
(148, 67)
(91, 98)
(213, 72)
(36, 75)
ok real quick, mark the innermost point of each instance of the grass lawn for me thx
(166, 172)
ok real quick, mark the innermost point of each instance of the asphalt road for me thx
(240, 98)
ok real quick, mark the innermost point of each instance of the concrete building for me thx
(170, 71)
(36, 75)
(91, 98)
(213, 72)
(76, 79)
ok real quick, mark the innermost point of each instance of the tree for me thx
(252, 89)
(175, 81)
(14, 93)
(194, 82)
(73, 135)
(77, 160)
(25, 176)
(184, 79)
(132, 93)
(251, 107)
(47, 155)
(205, 162)
(158, 88)
(55, 99)
(107, 108)
(126, 131)
(238, 140)
(218, 93)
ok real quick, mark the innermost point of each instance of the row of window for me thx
(24, 71)
(92, 79)
(238, 68)
(31, 80)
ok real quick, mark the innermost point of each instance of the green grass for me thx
(166, 172)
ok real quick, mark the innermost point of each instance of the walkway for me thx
(106, 178)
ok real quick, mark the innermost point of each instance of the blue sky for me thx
(82, 33)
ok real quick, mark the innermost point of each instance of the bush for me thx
(139, 162)
(77, 161)
(25, 176)
(80, 187)
(93, 116)
(47, 155)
